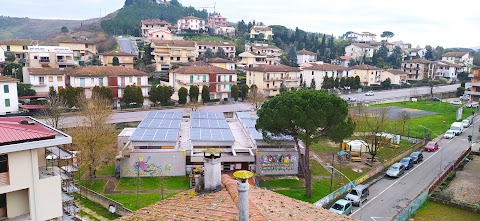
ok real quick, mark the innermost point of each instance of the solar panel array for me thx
(160, 123)
(159, 135)
(158, 126)
(211, 134)
(249, 120)
(208, 123)
(164, 115)
(210, 126)
(207, 115)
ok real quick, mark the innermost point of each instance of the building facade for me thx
(159, 34)
(357, 51)
(475, 85)
(125, 59)
(8, 95)
(271, 52)
(2, 55)
(222, 63)
(447, 70)
(82, 49)
(368, 74)
(270, 78)
(363, 37)
(191, 24)
(216, 20)
(261, 32)
(228, 47)
(248, 60)
(42, 79)
(18, 47)
(460, 58)
(50, 56)
(396, 76)
(169, 52)
(304, 56)
(153, 24)
(318, 72)
(418, 69)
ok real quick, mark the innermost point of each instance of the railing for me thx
(4, 178)
(450, 169)
(104, 201)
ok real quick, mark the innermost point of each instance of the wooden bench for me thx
(355, 157)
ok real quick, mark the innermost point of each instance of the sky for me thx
(419, 22)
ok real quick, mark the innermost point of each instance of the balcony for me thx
(45, 172)
(271, 79)
(291, 79)
(44, 61)
(191, 54)
(472, 92)
(4, 179)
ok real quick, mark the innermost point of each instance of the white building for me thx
(8, 95)
(271, 52)
(191, 23)
(461, 58)
(2, 55)
(257, 31)
(417, 52)
(319, 72)
(363, 37)
(357, 51)
(304, 56)
(50, 56)
(447, 70)
(228, 47)
(42, 79)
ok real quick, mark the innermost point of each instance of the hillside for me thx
(27, 28)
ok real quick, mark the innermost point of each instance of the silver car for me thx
(358, 194)
(396, 170)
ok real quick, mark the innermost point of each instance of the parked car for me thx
(456, 102)
(472, 105)
(351, 99)
(342, 206)
(417, 156)
(358, 194)
(465, 97)
(407, 162)
(457, 128)
(436, 99)
(431, 146)
(369, 93)
(467, 122)
(450, 134)
(396, 170)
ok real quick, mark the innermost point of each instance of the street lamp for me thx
(331, 177)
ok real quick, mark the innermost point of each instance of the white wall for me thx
(17, 203)
(11, 95)
(45, 87)
(303, 58)
(2, 55)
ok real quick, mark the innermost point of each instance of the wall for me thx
(154, 163)
(12, 95)
(49, 199)
(17, 203)
(20, 172)
(276, 162)
(104, 201)
(45, 87)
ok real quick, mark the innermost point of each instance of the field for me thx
(439, 212)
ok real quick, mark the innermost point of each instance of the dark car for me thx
(435, 99)
(407, 162)
(417, 157)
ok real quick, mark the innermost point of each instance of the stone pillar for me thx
(242, 187)
(213, 174)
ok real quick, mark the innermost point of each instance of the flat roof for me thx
(127, 132)
(207, 115)
(211, 134)
(208, 123)
(155, 134)
(164, 114)
(160, 123)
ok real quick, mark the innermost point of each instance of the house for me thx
(228, 47)
(460, 58)
(272, 52)
(31, 187)
(417, 52)
(114, 77)
(125, 59)
(18, 47)
(317, 72)
(364, 37)
(418, 69)
(169, 52)
(396, 76)
(222, 63)
(270, 78)
(42, 79)
(191, 24)
(306, 56)
(8, 95)
(225, 31)
(2, 55)
(82, 49)
(344, 61)
(475, 85)
(159, 34)
(219, 80)
(50, 56)
(447, 70)
(248, 59)
(357, 51)
(402, 45)
(153, 24)
(368, 74)
(261, 32)
(216, 20)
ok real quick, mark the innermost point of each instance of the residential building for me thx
(402, 45)
(18, 47)
(216, 20)
(261, 32)
(417, 52)
(50, 56)
(396, 76)
(225, 31)
(345, 61)
(169, 52)
(219, 80)
(191, 24)
(125, 59)
(42, 79)
(461, 58)
(447, 70)
(8, 95)
(222, 63)
(368, 74)
(357, 51)
(270, 78)
(114, 77)
(248, 59)
(228, 47)
(364, 37)
(317, 72)
(2, 55)
(418, 69)
(474, 92)
(272, 52)
(304, 56)
(82, 49)
(153, 24)
(159, 34)
(30, 186)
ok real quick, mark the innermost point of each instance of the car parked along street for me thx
(431, 146)
(407, 162)
(342, 206)
(396, 170)
(417, 156)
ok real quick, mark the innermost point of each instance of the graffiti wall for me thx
(277, 162)
(154, 164)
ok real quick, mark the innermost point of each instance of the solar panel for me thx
(247, 115)
(164, 114)
(248, 122)
(208, 123)
(207, 115)
(153, 134)
(209, 134)
(160, 123)
(255, 134)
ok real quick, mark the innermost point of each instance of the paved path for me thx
(92, 213)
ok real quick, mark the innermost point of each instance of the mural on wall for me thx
(277, 163)
(153, 165)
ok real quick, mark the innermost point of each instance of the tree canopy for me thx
(193, 93)
(182, 95)
(205, 93)
(132, 94)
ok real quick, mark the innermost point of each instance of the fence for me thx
(104, 201)
(450, 169)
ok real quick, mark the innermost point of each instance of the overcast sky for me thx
(420, 22)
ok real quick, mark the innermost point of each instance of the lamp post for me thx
(331, 178)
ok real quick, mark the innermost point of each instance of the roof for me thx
(418, 60)
(305, 52)
(22, 42)
(117, 53)
(347, 58)
(455, 54)
(361, 45)
(45, 71)
(174, 43)
(263, 205)
(191, 17)
(12, 131)
(104, 71)
(219, 60)
(250, 54)
(364, 67)
(154, 22)
(76, 41)
(203, 70)
(326, 67)
(262, 28)
(7, 79)
(274, 68)
(448, 64)
(216, 43)
(396, 71)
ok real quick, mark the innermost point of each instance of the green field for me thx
(96, 208)
(281, 183)
(440, 212)
(97, 186)
(154, 183)
(130, 200)
(320, 189)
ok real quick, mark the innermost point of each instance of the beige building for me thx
(419, 69)
(153, 24)
(18, 47)
(159, 34)
(42, 79)
(248, 60)
(257, 31)
(50, 56)
(228, 47)
(82, 49)
(191, 24)
(125, 59)
(368, 74)
(270, 78)
(30, 186)
(169, 52)
(272, 52)
(317, 72)
(396, 76)
(222, 63)
(359, 50)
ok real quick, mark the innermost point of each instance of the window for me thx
(59, 78)
(231, 78)
(224, 86)
(171, 58)
(4, 163)
(50, 78)
(191, 78)
(204, 78)
(82, 82)
(219, 78)
(92, 80)
(7, 102)
(35, 57)
(41, 80)
(312, 73)
(8, 47)
(198, 77)
(6, 90)
(130, 79)
(139, 81)
(100, 82)
(178, 58)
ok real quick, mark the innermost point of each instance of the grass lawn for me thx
(439, 212)
(318, 170)
(322, 147)
(96, 208)
(129, 200)
(97, 186)
(282, 183)
(106, 170)
(153, 183)
(388, 153)
(320, 189)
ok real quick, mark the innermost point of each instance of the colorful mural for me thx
(154, 164)
(277, 163)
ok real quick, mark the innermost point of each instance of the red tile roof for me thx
(216, 43)
(305, 52)
(361, 45)
(105, 71)
(455, 54)
(45, 71)
(11, 131)
(155, 22)
(117, 53)
(7, 79)
(326, 67)
(76, 41)
(419, 60)
(347, 58)
(219, 60)
(173, 43)
(22, 42)
(364, 67)
(208, 69)
(274, 68)
(396, 71)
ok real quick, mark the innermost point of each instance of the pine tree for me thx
(292, 57)
(312, 84)
(323, 46)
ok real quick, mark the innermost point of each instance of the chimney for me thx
(242, 177)
(213, 170)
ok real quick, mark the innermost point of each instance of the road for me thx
(128, 45)
(389, 196)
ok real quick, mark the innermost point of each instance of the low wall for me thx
(104, 201)
(457, 204)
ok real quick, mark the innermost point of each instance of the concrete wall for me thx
(17, 203)
(12, 95)
(277, 162)
(154, 163)
(48, 198)
(104, 201)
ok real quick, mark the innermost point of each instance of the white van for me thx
(457, 128)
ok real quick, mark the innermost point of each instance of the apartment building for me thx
(42, 79)
(216, 20)
(82, 49)
(319, 72)
(50, 56)
(228, 47)
(30, 186)
(18, 47)
(396, 76)
(272, 52)
(304, 56)
(460, 58)
(419, 69)
(357, 51)
(222, 63)
(270, 78)
(447, 70)
(219, 80)
(8, 95)
(368, 74)
(248, 60)
(125, 59)
(159, 34)
(191, 24)
(169, 52)
(363, 37)
(261, 32)
(475, 85)
(153, 24)
(225, 31)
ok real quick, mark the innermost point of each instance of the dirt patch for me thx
(465, 185)
(395, 112)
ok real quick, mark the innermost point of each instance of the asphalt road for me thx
(127, 45)
(389, 196)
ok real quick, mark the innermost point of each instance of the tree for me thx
(52, 92)
(235, 92)
(343, 82)
(460, 91)
(283, 88)
(54, 109)
(326, 83)
(25, 90)
(71, 95)
(96, 137)
(404, 117)
(115, 61)
(297, 114)
(166, 93)
(387, 34)
(194, 92)
(261, 36)
(205, 93)
(154, 95)
(244, 91)
(372, 125)
(132, 94)
(103, 93)
(208, 53)
(429, 54)
(387, 83)
(64, 29)
(356, 82)
(220, 53)
(9, 57)
(255, 96)
(182, 95)
(323, 47)
(292, 57)
(313, 85)
(13, 70)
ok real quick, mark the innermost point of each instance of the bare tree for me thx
(372, 126)
(403, 117)
(255, 96)
(414, 92)
(54, 109)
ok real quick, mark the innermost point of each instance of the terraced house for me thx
(169, 52)
(270, 78)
